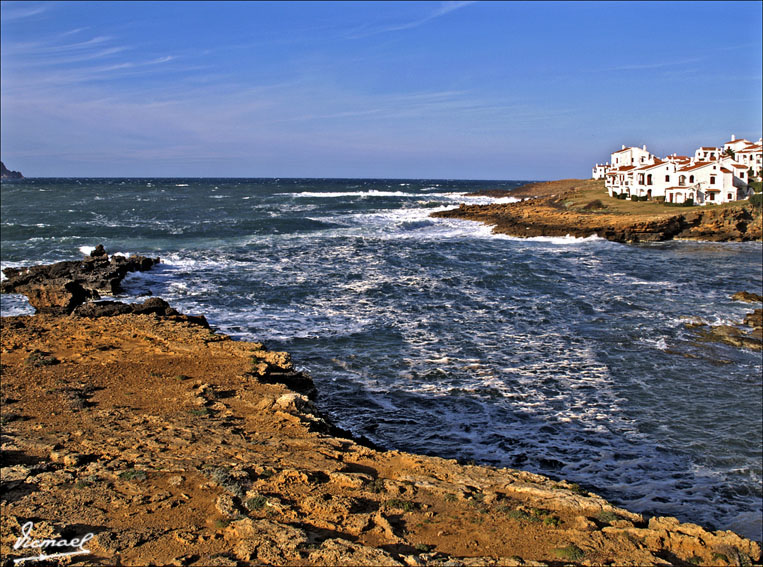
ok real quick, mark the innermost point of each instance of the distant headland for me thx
(6, 173)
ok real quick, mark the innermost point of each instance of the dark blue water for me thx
(567, 357)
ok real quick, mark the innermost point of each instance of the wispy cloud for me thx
(17, 11)
(442, 9)
(655, 65)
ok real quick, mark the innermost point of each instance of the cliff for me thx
(582, 208)
(6, 173)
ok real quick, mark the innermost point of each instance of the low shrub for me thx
(405, 505)
(571, 552)
(133, 474)
(39, 358)
(757, 199)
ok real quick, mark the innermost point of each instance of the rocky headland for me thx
(582, 208)
(6, 173)
(175, 445)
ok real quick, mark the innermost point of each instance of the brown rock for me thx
(341, 552)
(748, 297)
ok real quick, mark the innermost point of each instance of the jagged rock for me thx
(58, 288)
(747, 297)
(754, 319)
(342, 552)
(269, 542)
(154, 305)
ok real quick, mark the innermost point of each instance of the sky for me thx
(445, 90)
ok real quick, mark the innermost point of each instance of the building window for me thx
(711, 196)
(712, 180)
(691, 179)
(667, 178)
(682, 180)
(649, 179)
(729, 197)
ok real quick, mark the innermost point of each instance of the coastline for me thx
(582, 208)
(178, 445)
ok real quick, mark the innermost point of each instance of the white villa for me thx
(714, 175)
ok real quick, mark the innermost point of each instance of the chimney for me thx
(644, 147)
(623, 146)
(733, 137)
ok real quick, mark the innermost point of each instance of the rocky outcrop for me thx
(747, 334)
(59, 288)
(6, 173)
(154, 305)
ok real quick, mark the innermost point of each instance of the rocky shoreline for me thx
(582, 208)
(176, 445)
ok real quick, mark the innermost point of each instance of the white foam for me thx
(370, 193)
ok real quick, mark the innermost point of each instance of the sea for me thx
(568, 357)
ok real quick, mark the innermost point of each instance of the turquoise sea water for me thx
(567, 357)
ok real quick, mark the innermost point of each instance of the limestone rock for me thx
(341, 552)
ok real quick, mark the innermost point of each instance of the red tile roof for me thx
(657, 163)
(698, 165)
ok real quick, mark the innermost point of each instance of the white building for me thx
(631, 156)
(706, 153)
(600, 170)
(712, 176)
(751, 156)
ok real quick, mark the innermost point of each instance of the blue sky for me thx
(469, 90)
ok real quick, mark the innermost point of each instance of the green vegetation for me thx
(757, 200)
(182, 377)
(221, 524)
(256, 502)
(39, 358)
(423, 548)
(571, 552)
(686, 203)
(607, 517)
(133, 474)
(200, 412)
(405, 505)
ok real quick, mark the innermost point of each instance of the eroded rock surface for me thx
(181, 452)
